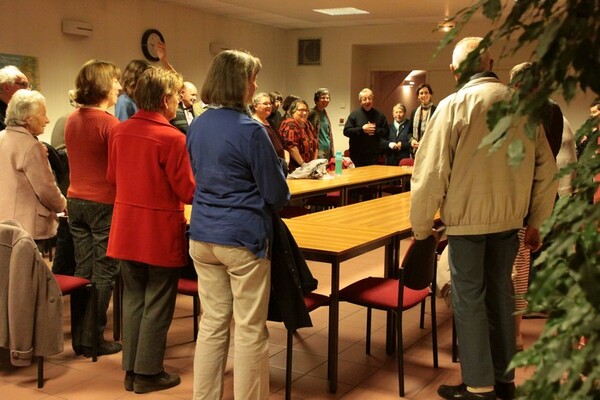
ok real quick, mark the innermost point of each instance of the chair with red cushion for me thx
(69, 284)
(415, 282)
(407, 162)
(189, 287)
(324, 201)
(312, 302)
(404, 185)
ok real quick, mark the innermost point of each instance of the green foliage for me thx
(566, 37)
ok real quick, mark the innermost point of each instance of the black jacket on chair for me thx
(290, 279)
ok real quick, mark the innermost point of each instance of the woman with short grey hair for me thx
(30, 194)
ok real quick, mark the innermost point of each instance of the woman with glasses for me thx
(149, 165)
(262, 106)
(90, 199)
(299, 135)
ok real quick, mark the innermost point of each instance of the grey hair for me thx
(9, 74)
(22, 105)
(365, 92)
(466, 46)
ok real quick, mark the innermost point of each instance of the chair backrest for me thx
(407, 162)
(418, 265)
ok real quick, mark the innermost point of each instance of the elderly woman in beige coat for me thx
(29, 194)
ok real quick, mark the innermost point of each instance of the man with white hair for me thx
(11, 80)
(483, 201)
(185, 112)
(365, 128)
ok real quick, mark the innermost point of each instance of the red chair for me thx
(324, 201)
(415, 283)
(407, 162)
(189, 287)
(69, 284)
(404, 185)
(312, 302)
(293, 211)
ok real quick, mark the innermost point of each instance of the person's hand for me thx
(414, 143)
(532, 239)
(398, 145)
(161, 50)
(369, 128)
(45, 149)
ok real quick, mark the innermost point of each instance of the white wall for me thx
(350, 54)
(33, 28)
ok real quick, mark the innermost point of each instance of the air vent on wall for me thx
(309, 51)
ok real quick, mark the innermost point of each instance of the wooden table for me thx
(389, 214)
(350, 178)
(334, 244)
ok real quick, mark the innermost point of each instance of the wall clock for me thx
(149, 40)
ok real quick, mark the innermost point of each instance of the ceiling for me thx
(299, 14)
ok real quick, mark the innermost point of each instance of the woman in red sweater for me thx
(90, 198)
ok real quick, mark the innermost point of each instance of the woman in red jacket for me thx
(149, 165)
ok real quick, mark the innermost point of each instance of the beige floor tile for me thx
(361, 376)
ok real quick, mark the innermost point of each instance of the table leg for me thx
(334, 313)
(344, 195)
(392, 263)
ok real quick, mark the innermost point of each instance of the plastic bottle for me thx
(338, 163)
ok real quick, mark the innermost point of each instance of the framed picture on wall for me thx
(27, 64)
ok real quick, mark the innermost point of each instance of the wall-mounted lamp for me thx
(446, 26)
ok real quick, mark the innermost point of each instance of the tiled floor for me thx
(361, 376)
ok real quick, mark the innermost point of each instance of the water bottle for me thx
(338, 163)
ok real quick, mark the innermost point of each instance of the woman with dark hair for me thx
(90, 198)
(149, 165)
(286, 104)
(421, 115)
(240, 184)
(299, 135)
(125, 106)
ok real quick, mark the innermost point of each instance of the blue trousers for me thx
(483, 303)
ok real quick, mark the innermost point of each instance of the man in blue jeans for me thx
(483, 201)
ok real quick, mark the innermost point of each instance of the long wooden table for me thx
(335, 244)
(350, 179)
(389, 215)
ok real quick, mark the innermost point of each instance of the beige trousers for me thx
(232, 282)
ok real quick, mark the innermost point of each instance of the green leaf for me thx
(492, 8)
(516, 152)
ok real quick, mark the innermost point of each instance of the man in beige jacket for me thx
(483, 201)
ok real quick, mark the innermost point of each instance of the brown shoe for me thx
(152, 383)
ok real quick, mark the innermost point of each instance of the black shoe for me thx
(78, 350)
(104, 349)
(460, 392)
(505, 390)
(152, 383)
(129, 377)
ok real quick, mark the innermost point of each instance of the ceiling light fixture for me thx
(446, 25)
(341, 11)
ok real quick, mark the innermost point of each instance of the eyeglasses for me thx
(266, 104)
(24, 84)
(302, 110)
